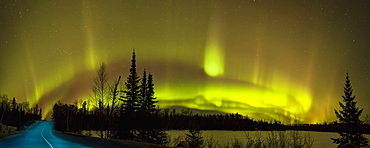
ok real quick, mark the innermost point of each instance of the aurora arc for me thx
(255, 58)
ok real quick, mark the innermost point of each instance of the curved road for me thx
(40, 136)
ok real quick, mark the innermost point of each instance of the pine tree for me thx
(147, 99)
(147, 94)
(194, 138)
(349, 117)
(132, 88)
(143, 113)
(131, 103)
(150, 99)
(143, 93)
(149, 114)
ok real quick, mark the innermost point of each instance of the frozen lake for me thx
(321, 139)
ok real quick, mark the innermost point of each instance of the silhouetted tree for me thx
(100, 86)
(130, 105)
(70, 118)
(148, 113)
(132, 88)
(349, 117)
(100, 89)
(112, 111)
(149, 100)
(40, 113)
(17, 114)
(115, 95)
(194, 138)
(14, 105)
(143, 114)
(143, 93)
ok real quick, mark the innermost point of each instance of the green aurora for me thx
(265, 59)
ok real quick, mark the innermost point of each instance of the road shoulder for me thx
(15, 133)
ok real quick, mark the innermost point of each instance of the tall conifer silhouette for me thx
(349, 118)
(132, 88)
(150, 99)
(143, 93)
(131, 102)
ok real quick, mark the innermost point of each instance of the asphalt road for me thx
(40, 136)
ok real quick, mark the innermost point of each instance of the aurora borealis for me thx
(265, 59)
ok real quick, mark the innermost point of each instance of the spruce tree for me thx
(150, 99)
(143, 93)
(349, 119)
(147, 99)
(146, 114)
(143, 113)
(130, 105)
(156, 135)
(194, 138)
(132, 88)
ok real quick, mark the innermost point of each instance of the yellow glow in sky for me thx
(213, 60)
(253, 57)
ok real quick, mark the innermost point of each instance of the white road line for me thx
(42, 135)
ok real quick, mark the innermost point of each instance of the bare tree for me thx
(112, 109)
(100, 89)
(115, 96)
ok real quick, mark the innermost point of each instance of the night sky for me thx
(265, 59)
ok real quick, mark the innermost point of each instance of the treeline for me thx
(128, 113)
(185, 120)
(17, 114)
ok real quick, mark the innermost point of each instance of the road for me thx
(40, 136)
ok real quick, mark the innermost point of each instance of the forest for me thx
(117, 114)
(18, 114)
(132, 113)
